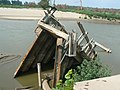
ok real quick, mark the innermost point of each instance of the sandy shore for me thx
(33, 14)
(36, 14)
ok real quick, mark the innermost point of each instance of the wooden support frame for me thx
(57, 64)
(72, 45)
(83, 32)
(103, 47)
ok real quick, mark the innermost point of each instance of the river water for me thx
(16, 37)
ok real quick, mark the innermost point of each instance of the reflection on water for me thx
(17, 36)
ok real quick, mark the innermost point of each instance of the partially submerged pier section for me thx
(55, 44)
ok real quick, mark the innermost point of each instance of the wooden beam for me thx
(52, 30)
(103, 47)
(72, 45)
(83, 31)
(57, 64)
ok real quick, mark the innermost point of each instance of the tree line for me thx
(13, 2)
(8, 3)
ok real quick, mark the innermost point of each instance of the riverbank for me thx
(32, 14)
(36, 14)
(106, 83)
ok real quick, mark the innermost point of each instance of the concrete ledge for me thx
(106, 83)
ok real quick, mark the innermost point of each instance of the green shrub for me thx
(68, 84)
(89, 69)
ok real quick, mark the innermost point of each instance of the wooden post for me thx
(70, 41)
(72, 45)
(57, 64)
(83, 32)
(39, 74)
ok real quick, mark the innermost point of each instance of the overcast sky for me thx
(88, 3)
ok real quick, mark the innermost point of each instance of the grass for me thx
(95, 14)
(18, 6)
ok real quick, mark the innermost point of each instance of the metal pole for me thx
(39, 74)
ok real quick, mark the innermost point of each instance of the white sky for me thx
(88, 3)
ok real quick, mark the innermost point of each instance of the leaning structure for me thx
(57, 47)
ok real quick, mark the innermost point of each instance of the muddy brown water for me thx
(16, 37)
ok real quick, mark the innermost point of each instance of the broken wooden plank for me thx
(81, 38)
(30, 60)
(54, 31)
(83, 31)
(57, 64)
(72, 45)
(43, 51)
(103, 47)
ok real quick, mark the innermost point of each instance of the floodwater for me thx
(16, 37)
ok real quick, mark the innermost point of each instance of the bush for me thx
(68, 84)
(89, 69)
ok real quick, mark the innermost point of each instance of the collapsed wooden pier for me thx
(55, 45)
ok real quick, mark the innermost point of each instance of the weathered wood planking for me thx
(54, 31)
(57, 64)
(39, 52)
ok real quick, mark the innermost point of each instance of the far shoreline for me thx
(37, 14)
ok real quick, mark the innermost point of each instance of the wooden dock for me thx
(55, 45)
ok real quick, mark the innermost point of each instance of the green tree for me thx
(5, 2)
(44, 4)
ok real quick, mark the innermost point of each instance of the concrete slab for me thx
(106, 83)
